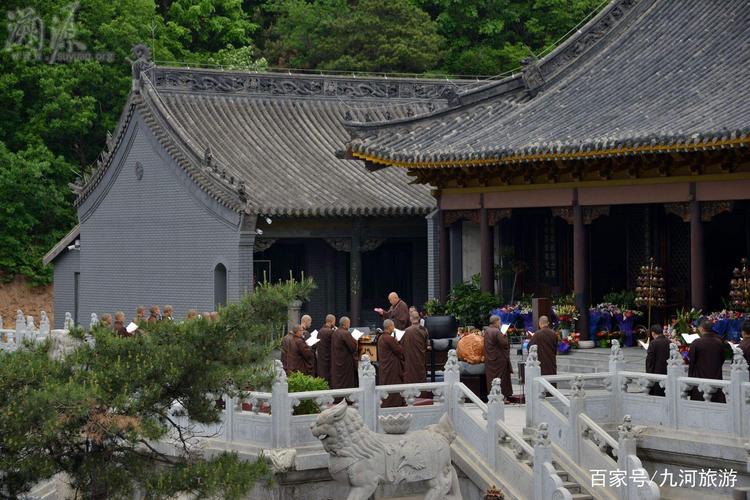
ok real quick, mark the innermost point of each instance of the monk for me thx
(391, 363)
(343, 357)
(154, 314)
(497, 358)
(299, 356)
(106, 320)
(323, 350)
(306, 322)
(745, 342)
(657, 356)
(168, 313)
(414, 343)
(398, 312)
(286, 346)
(119, 326)
(545, 340)
(140, 314)
(706, 360)
(191, 315)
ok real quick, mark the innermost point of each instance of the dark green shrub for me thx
(299, 382)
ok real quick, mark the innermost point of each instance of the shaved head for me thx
(543, 321)
(393, 298)
(414, 317)
(344, 322)
(330, 320)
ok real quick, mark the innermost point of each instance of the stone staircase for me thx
(577, 491)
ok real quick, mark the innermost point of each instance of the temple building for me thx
(214, 180)
(627, 141)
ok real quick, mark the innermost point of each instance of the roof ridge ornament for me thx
(141, 63)
(531, 74)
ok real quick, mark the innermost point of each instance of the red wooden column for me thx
(697, 276)
(580, 270)
(487, 272)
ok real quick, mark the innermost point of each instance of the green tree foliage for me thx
(367, 35)
(488, 37)
(59, 114)
(469, 305)
(96, 413)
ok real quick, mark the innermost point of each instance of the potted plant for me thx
(566, 315)
(469, 305)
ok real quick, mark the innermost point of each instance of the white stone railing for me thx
(574, 421)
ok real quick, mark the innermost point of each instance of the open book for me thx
(357, 334)
(314, 334)
(399, 334)
(690, 338)
(504, 328)
(312, 340)
(643, 344)
(131, 327)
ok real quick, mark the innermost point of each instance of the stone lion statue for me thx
(363, 459)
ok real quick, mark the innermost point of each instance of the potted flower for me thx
(566, 315)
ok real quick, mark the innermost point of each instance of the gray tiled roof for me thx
(643, 74)
(267, 143)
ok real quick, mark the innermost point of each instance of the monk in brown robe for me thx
(299, 356)
(286, 346)
(155, 314)
(706, 360)
(119, 326)
(497, 358)
(745, 342)
(545, 340)
(657, 356)
(323, 350)
(390, 363)
(414, 343)
(343, 357)
(306, 322)
(398, 312)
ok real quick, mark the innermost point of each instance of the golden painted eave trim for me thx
(603, 183)
(578, 155)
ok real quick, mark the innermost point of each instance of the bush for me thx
(299, 382)
(469, 305)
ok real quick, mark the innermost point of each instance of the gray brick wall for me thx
(154, 240)
(433, 249)
(66, 265)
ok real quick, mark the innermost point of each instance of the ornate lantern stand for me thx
(739, 287)
(650, 290)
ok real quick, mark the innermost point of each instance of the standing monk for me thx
(391, 363)
(324, 349)
(306, 322)
(414, 343)
(286, 346)
(119, 327)
(155, 314)
(299, 357)
(343, 357)
(497, 358)
(398, 312)
(546, 341)
(657, 356)
(706, 360)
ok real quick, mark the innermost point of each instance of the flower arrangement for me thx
(568, 342)
(725, 315)
(566, 315)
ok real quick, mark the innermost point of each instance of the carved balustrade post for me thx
(230, 406)
(20, 327)
(616, 365)
(626, 446)
(495, 412)
(368, 396)
(533, 370)
(281, 410)
(452, 377)
(542, 455)
(577, 406)
(739, 375)
(675, 369)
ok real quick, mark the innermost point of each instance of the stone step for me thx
(581, 496)
(572, 487)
